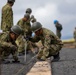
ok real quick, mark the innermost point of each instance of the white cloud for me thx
(71, 1)
(46, 14)
(46, 11)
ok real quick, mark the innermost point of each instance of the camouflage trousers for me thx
(53, 50)
(6, 51)
(22, 43)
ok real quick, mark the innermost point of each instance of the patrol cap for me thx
(36, 26)
(16, 29)
(11, 0)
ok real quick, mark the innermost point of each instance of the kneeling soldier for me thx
(51, 43)
(8, 45)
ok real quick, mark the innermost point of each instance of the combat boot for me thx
(20, 54)
(15, 61)
(5, 62)
(56, 58)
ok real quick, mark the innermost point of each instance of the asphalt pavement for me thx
(65, 66)
(67, 63)
(13, 68)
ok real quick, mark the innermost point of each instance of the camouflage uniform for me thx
(7, 46)
(51, 44)
(7, 17)
(75, 36)
(58, 31)
(26, 26)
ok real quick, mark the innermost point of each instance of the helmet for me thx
(11, 0)
(33, 20)
(55, 21)
(16, 29)
(36, 26)
(32, 16)
(27, 16)
(28, 10)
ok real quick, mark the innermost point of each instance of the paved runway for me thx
(66, 65)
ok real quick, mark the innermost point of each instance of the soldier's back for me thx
(6, 7)
(3, 36)
(7, 17)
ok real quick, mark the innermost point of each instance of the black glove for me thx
(28, 38)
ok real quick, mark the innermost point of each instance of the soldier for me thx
(8, 45)
(33, 19)
(7, 16)
(51, 43)
(58, 28)
(26, 27)
(74, 33)
(28, 10)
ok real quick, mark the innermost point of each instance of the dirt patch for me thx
(69, 45)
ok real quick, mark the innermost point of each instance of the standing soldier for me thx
(75, 36)
(51, 43)
(58, 28)
(26, 27)
(7, 16)
(8, 45)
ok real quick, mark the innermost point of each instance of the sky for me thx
(46, 11)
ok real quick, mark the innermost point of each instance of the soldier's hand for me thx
(35, 51)
(13, 47)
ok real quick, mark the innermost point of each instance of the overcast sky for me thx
(46, 11)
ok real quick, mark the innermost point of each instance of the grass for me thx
(68, 41)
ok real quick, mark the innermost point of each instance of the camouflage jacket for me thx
(7, 18)
(5, 40)
(26, 26)
(74, 33)
(47, 38)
